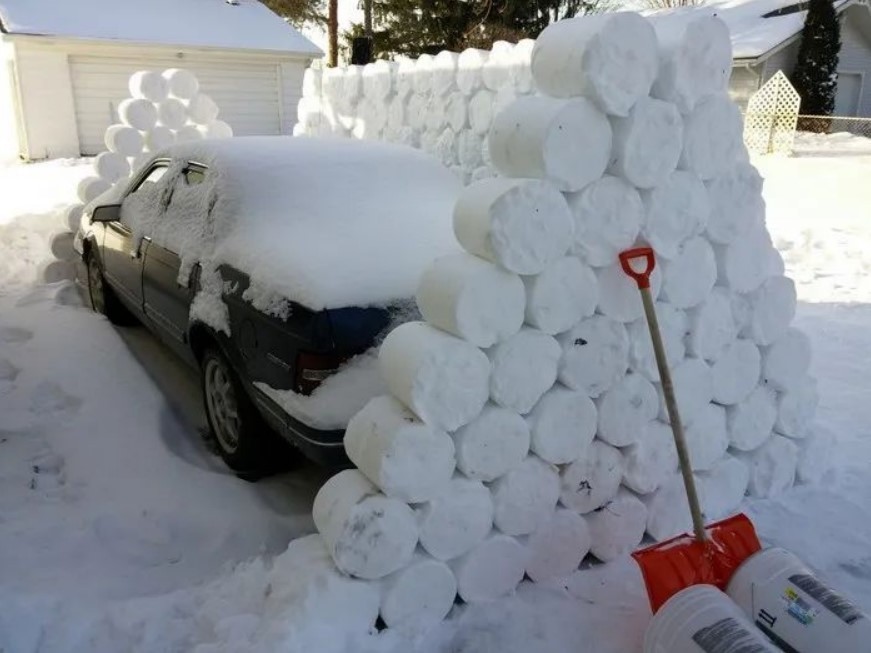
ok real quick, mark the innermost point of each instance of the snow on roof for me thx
(327, 223)
(757, 26)
(248, 25)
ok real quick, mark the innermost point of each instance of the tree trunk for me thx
(367, 17)
(333, 33)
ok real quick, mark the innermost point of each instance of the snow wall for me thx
(525, 427)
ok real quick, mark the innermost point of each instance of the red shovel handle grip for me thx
(642, 278)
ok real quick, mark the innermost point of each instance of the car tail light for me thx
(313, 369)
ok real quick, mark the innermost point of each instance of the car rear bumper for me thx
(323, 447)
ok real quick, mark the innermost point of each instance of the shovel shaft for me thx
(674, 416)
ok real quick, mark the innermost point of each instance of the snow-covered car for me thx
(274, 265)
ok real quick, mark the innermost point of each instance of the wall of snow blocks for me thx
(534, 359)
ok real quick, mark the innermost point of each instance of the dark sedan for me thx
(178, 248)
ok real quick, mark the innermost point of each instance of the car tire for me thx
(236, 429)
(102, 297)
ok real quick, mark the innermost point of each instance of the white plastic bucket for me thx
(798, 612)
(702, 619)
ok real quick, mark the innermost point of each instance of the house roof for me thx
(760, 26)
(245, 25)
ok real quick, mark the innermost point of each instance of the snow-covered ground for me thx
(120, 531)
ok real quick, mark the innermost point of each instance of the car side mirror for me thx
(108, 213)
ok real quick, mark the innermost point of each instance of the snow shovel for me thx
(709, 555)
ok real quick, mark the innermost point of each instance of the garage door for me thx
(247, 93)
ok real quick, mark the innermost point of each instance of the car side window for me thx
(142, 204)
(194, 176)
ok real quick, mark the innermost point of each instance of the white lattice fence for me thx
(771, 117)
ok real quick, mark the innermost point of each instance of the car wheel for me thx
(236, 428)
(103, 299)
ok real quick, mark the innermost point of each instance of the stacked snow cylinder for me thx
(526, 425)
(163, 108)
(444, 104)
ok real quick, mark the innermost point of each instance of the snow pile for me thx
(535, 357)
(164, 108)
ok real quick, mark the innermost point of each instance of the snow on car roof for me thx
(247, 25)
(327, 223)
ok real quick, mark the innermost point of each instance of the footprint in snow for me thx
(47, 472)
(8, 374)
(64, 294)
(142, 539)
(14, 335)
(48, 398)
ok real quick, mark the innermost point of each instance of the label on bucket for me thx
(832, 601)
(728, 636)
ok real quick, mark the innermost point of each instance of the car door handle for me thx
(137, 253)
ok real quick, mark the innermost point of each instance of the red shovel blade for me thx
(673, 565)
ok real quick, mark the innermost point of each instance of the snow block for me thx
(481, 113)
(772, 467)
(202, 109)
(457, 520)
(668, 513)
(525, 497)
(491, 445)
(772, 310)
(711, 326)
(626, 410)
(469, 65)
(617, 528)
(688, 278)
(672, 328)
(567, 142)
(404, 457)
(693, 382)
(608, 215)
(443, 379)
(172, 113)
(647, 143)
(419, 596)
(676, 210)
(707, 437)
(158, 138)
(496, 70)
(562, 425)
(524, 367)
(796, 409)
(53, 271)
(90, 188)
(651, 461)
(378, 80)
(369, 536)
(593, 479)
(561, 296)
(736, 203)
(595, 355)
(472, 299)
(71, 219)
(524, 225)
(183, 84)
(724, 487)
(736, 372)
(751, 421)
(148, 85)
(491, 570)
(611, 58)
(124, 140)
(619, 298)
(61, 245)
(111, 167)
(744, 265)
(557, 546)
(696, 58)
(786, 363)
(713, 137)
(444, 72)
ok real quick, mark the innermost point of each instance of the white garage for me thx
(64, 66)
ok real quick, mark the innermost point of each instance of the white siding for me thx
(782, 60)
(743, 83)
(48, 124)
(856, 58)
(291, 83)
(9, 146)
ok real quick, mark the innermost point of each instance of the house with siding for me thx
(766, 35)
(65, 66)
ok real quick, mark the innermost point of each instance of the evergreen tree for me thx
(414, 27)
(815, 76)
(298, 12)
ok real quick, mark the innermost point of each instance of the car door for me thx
(167, 287)
(123, 245)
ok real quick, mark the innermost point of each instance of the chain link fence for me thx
(835, 124)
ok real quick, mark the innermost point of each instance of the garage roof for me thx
(243, 25)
